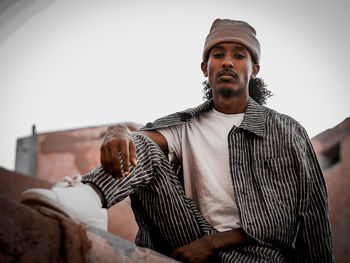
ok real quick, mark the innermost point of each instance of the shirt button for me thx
(149, 125)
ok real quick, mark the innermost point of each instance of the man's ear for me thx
(255, 70)
(204, 66)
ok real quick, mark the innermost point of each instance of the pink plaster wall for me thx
(67, 153)
(338, 184)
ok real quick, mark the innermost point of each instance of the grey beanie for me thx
(226, 30)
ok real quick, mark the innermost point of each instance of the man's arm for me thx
(314, 242)
(118, 141)
(203, 248)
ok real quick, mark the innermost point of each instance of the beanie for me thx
(226, 30)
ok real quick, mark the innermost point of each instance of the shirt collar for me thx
(254, 116)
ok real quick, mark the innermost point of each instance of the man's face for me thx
(229, 69)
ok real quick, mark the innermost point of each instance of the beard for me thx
(228, 93)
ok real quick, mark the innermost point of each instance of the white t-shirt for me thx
(202, 147)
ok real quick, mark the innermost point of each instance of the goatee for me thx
(227, 93)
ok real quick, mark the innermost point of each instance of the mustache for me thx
(228, 72)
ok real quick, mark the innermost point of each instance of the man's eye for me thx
(239, 56)
(217, 55)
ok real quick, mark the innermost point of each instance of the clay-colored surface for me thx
(67, 153)
(70, 152)
(39, 234)
(13, 184)
(121, 220)
(338, 184)
(29, 236)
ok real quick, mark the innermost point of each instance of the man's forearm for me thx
(202, 249)
(227, 239)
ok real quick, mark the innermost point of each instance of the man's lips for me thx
(227, 73)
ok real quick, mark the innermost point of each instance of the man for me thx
(241, 182)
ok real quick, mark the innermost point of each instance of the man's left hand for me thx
(198, 251)
(202, 249)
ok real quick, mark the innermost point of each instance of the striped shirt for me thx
(278, 184)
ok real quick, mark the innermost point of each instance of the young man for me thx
(241, 182)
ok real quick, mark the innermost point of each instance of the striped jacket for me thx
(278, 184)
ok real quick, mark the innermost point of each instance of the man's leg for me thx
(166, 217)
(157, 198)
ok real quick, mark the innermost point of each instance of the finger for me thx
(132, 152)
(125, 157)
(102, 157)
(106, 162)
(174, 255)
(180, 257)
(116, 169)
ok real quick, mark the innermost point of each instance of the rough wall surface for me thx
(13, 184)
(40, 235)
(27, 235)
(78, 150)
(68, 153)
(338, 184)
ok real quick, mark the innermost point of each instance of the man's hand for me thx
(198, 251)
(203, 248)
(118, 139)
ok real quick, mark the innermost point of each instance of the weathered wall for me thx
(338, 184)
(13, 184)
(40, 235)
(333, 151)
(28, 236)
(67, 153)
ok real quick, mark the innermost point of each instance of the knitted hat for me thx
(226, 30)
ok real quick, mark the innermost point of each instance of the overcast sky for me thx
(80, 63)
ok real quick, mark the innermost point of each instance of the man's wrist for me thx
(226, 239)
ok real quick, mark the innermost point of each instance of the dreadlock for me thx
(257, 91)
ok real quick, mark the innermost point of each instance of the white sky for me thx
(81, 63)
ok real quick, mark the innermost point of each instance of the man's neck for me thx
(232, 105)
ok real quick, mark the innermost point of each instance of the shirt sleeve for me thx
(173, 136)
(314, 241)
(149, 158)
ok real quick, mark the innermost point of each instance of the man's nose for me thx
(227, 62)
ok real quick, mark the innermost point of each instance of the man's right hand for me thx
(118, 140)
